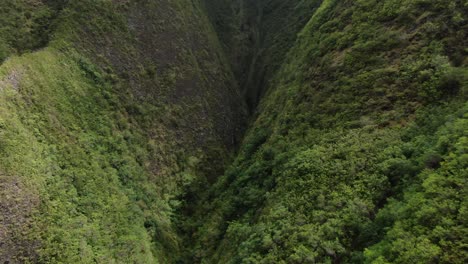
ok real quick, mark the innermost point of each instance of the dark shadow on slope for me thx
(256, 36)
(26, 26)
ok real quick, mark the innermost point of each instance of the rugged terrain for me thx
(246, 131)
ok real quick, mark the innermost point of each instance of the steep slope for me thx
(358, 151)
(120, 106)
(120, 123)
(256, 35)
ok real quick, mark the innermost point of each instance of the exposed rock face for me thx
(17, 205)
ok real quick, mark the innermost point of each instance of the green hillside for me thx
(246, 131)
(358, 150)
(104, 123)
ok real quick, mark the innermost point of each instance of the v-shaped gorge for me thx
(122, 138)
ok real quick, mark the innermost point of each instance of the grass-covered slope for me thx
(358, 151)
(65, 160)
(111, 111)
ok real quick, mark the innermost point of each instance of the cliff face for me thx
(109, 110)
(256, 35)
(122, 131)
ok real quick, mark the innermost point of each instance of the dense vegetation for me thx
(112, 109)
(121, 126)
(358, 150)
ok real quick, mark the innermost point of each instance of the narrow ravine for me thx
(245, 131)
(332, 169)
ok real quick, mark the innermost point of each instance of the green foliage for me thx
(428, 225)
(321, 201)
(109, 126)
(113, 135)
(26, 25)
(59, 137)
(334, 167)
(4, 50)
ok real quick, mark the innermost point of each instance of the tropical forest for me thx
(233, 131)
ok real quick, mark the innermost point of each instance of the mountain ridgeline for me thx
(245, 131)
